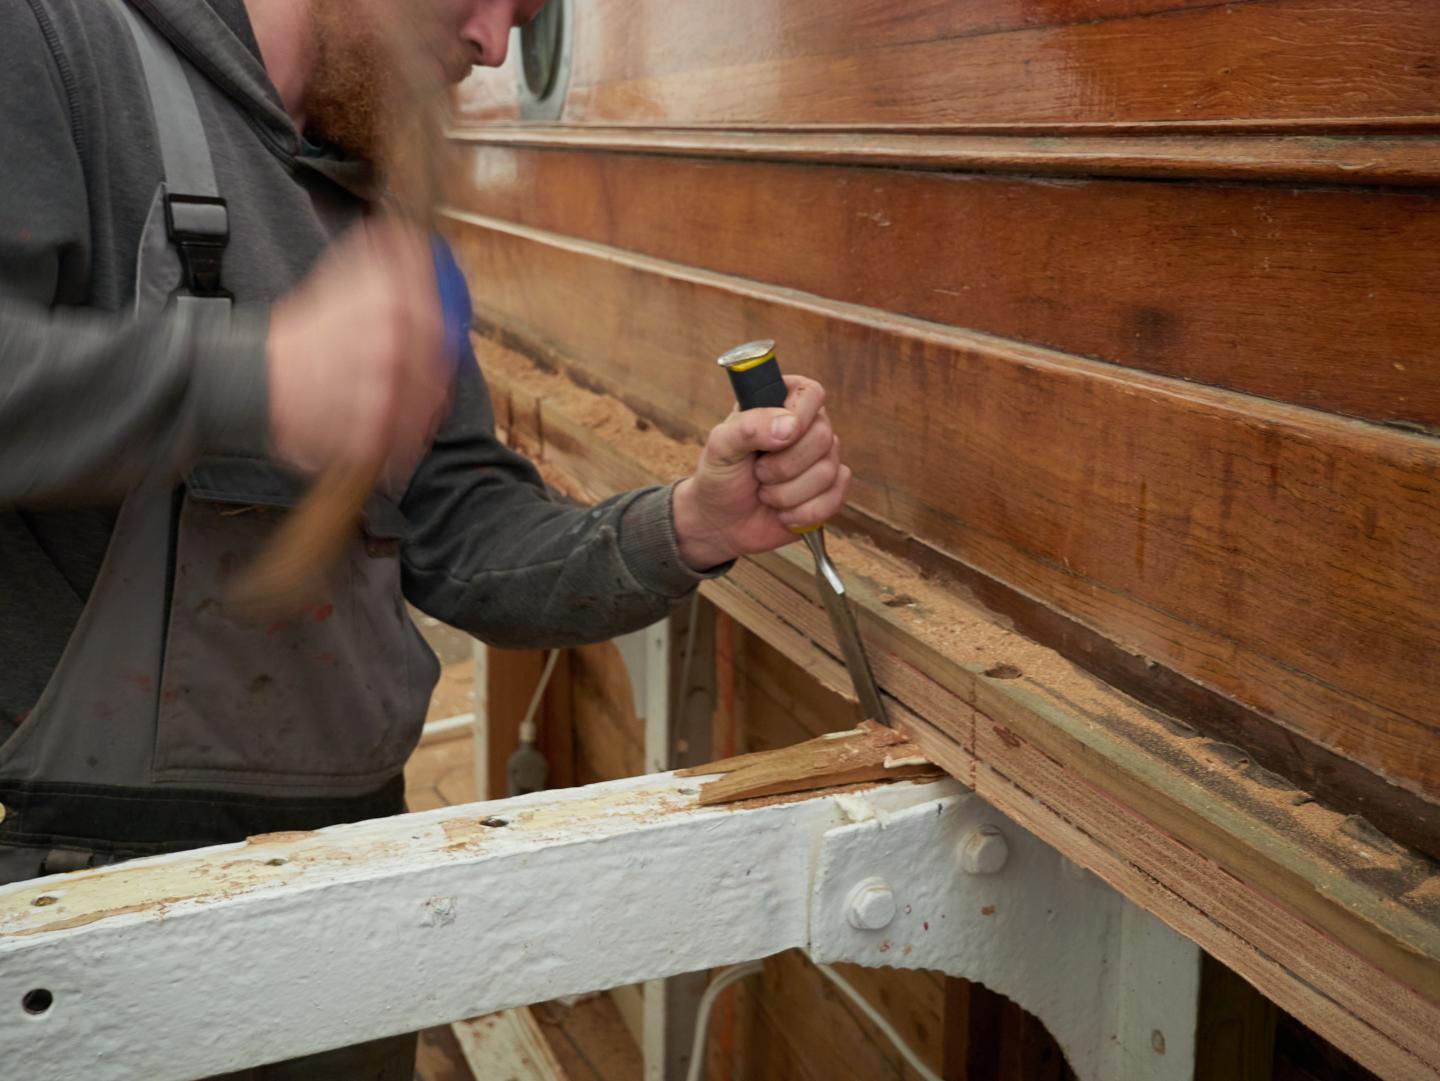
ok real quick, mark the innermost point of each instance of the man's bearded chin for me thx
(378, 78)
(349, 97)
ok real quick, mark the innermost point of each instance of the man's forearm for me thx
(89, 403)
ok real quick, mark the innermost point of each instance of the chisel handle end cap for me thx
(755, 375)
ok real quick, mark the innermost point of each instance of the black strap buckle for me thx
(199, 227)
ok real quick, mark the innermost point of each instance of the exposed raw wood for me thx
(1311, 296)
(1338, 932)
(870, 752)
(1401, 159)
(508, 1046)
(1280, 556)
(1001, 62)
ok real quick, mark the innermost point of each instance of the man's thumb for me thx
(740, 435)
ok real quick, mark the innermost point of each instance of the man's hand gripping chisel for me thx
(755, 375)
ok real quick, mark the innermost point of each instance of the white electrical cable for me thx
(881, 1023)
(528, 733)
(739, 972)
(702, 1016)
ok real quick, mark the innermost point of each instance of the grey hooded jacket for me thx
(95, 401)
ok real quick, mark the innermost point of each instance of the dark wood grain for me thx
(1235, 1029)
(1315, 296)
(990, 1038)
(1301, 1054)
(1004, 62)
(1281, 557)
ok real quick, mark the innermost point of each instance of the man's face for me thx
(362, 50)
(478, 31)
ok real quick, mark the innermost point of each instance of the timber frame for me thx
(1335, 923)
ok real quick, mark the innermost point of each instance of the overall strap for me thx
(196, 218)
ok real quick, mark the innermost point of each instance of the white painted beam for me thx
(186, 965)
(955, 885)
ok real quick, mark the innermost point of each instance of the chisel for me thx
(755, 376)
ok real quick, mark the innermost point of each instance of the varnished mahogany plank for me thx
(1319, 297)
(689, 36)
(1373, 159)
(1282, 557)
(1005, 62)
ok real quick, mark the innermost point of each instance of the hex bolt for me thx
(983, 851)
(871, 905)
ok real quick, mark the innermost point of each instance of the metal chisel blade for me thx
(842, 619)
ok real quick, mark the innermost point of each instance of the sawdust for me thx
(637, 438)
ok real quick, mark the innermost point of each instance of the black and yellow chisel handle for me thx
(755, 376)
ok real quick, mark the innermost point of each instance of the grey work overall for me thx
(165, 725)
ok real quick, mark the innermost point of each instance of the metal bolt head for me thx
(983, 851)
(871, 905)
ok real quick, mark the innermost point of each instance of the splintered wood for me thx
(868, 753)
